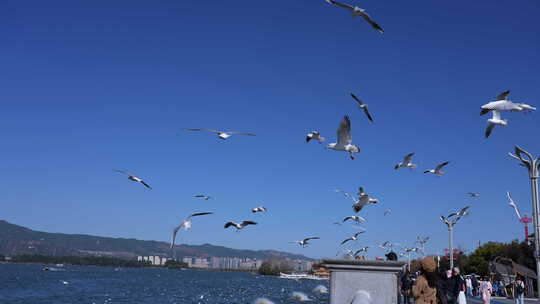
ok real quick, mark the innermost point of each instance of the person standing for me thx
(425, 287)
(519, 288)
(455, 286)
(468, 283)
(442, 288)
(485, 291)
(475, 285)
(406, 287)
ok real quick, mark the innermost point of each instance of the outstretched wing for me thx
(346, 240)
(513, 204)
(146, 185)
(200, 213)
(366, 111)
(229, 224)
(489, 129)
(503, 95)
(204, 130)
(440, 166)
(408, 158)
(241, 133)
(343, 5)
(311, 238)
(123, 172)
(344, 132)
(371, 22)
(245, 223)
(358, 100)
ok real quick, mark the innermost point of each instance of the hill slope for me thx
(16, 240)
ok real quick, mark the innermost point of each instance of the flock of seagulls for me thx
(344, 143)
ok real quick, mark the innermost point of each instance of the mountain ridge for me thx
(15, 240)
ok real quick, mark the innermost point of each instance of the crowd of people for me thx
(431, 285)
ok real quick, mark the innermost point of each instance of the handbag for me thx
(461, 298)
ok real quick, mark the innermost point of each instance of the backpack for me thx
(519, 288)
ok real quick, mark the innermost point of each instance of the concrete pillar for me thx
(366, 282)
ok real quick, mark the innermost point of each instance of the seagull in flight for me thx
(305, 241)
(134, 178)
(239, 226)
(502, 103)
(186, 224)
(344, 138)
(406, 163)
(363, 106)
(422, 240)
(363, 200)
(203, 196)
(356, 11)
(363, 249)
(356, 218)
(494, 121)
(314, 135)
(513, 204)
(473, 194)
(258, 209)
(222, 134)
(387, 245)
(437, 171)
(462, 212)
(352, 238)
(387, 212)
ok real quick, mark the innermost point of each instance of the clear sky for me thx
(92, 86)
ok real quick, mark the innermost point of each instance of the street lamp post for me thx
(451, 221)
(532, 165)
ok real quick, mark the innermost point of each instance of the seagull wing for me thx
(123, 172)
(371, 22)
(408, 158)
(204, 130)
(175, 231)
(240, 133)
(489, 129)
(346, 194)
(346, 240)
(344, 132)
(503, 95)
(366, 111)
(311, 238)
(229, 224)
(245, 223)
(146, 185)
(340, 4)
(358, 233)
(358, 100)
(440, 166)
(347, 218)
(200, 213)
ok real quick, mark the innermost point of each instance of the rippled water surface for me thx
(28, 284)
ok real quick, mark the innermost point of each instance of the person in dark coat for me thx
(455, 285)
(442, 287)
(406, 285)
(475, 285)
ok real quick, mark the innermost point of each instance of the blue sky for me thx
(91, 87)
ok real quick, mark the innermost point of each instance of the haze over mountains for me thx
(16, 240)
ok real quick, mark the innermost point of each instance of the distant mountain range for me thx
(16, 240)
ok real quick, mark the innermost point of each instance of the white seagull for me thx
(406, 163)
(356, 218)
(258, 209)
(363, 249)
(134, 178)
(352, 238)
(363, 106)
(239, 226)
(356, 11)
(186, 224)
(473, 194)
(437, 171)
(513, 204)
(314, 135)
(494, 121)
(203, 196)
(305, 241)
(502, 103)
(344, 138)
(222, 134)
(363, 200)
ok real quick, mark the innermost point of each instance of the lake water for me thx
(28, 284)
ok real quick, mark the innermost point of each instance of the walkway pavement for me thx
(499, 300)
